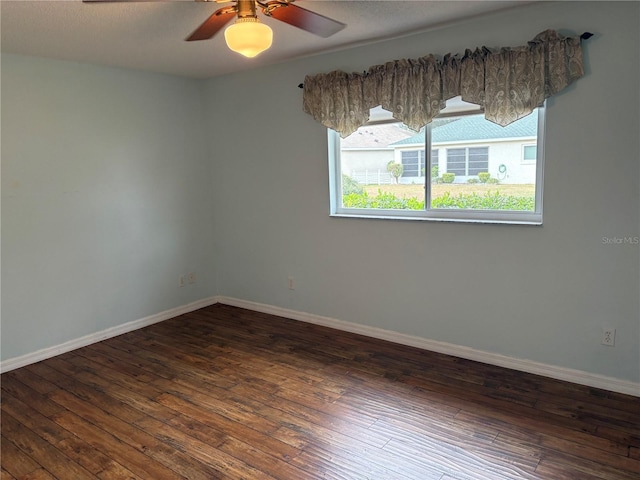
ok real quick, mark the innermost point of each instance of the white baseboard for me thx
(17, 362)
(523, 365)
(551, 371)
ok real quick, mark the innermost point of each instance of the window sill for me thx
(511, 218)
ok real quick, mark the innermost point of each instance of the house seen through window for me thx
(461, 167)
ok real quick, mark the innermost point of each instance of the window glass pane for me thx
(530, 152)
(478, 160)
(489, 176)
(411, 163)
(382, 167)
(435, 168)
(457, 161)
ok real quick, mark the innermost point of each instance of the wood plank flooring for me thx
(226, 393)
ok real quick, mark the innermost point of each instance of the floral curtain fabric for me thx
(509, 83)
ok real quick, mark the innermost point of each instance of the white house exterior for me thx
(365, 153)
(464, 146)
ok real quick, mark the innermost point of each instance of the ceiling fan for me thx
(247, 35)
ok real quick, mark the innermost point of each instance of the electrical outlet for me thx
(608, 336)
(291, 285)
(181, 281)
(191, 277)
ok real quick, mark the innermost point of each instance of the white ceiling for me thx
(150, 35)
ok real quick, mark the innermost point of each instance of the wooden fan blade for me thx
(130, 1)
(307, 20)
(212, 25)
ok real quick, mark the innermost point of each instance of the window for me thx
(529, 153)
(475, 170)
(413, 162)
(467, 161)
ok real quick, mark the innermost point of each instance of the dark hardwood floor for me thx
(228, 393)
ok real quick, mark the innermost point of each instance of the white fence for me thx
(372, 177)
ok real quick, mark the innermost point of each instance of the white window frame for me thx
(436, 214)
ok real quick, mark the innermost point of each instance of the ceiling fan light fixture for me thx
(248, 36)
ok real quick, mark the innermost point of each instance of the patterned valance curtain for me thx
(508, 83)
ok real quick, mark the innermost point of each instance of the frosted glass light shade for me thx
(248, 36)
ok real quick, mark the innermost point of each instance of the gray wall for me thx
(106, 199)
(539, 293)
(111, 188)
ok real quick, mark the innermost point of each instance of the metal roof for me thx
(475, 127)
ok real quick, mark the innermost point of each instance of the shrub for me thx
(493, 181)
(488, 201)
(387, 201)
(437, 180)
(484, 177)
(434, 171)
(448, 177)
(415, 204)
(355, 200)
(395, 169)
(473, 180)
(383, 200)
(349, 185)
